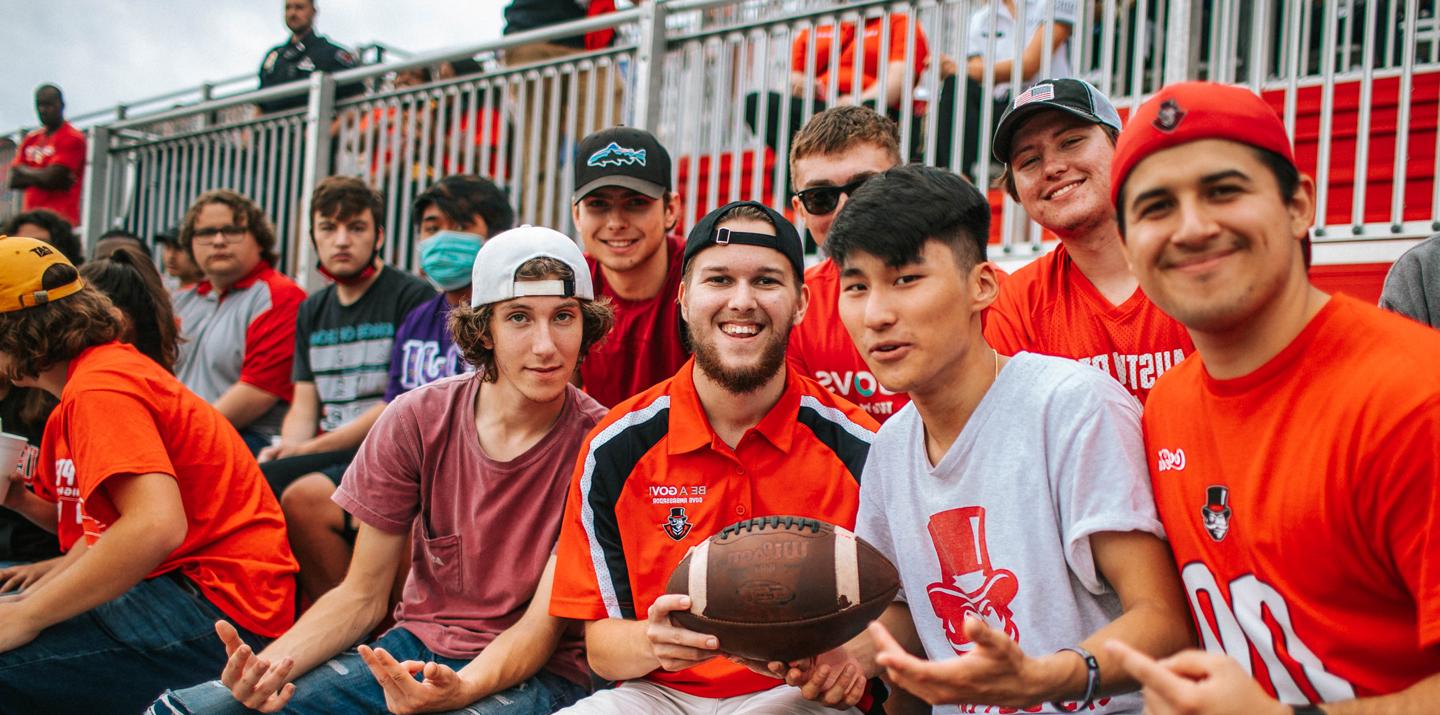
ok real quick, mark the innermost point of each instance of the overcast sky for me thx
(102, 52)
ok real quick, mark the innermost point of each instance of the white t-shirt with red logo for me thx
(1053, 444)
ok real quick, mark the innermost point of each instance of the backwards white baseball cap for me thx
(493, 278)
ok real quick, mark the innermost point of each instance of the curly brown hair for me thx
(244, 210)
(470, 327)
(39, 338)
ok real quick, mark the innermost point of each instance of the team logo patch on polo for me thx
(616, 155)
(1166, 460)
(1169, 116)
(677, 525)
(1216, 512)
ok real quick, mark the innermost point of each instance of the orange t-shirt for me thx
(1302, 502)
(871, 66)
(821, 348)
(1050, 307)
(120, 413)
(653, 480)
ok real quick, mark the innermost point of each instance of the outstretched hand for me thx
(255, 682)
(996, 672)
(1194, 682)
(442, 688)
(22, 576)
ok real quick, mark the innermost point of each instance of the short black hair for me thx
(893, 214)
(62, 236)
(50, 88)
(120, 233)
(462, 197)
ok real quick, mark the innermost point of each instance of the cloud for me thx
(103, 53)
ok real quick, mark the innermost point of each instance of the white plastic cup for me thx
(13, 450)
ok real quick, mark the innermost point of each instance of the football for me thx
(783, 587)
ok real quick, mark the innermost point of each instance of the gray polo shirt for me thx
(245, 334)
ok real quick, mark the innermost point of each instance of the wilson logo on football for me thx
(1172, 460)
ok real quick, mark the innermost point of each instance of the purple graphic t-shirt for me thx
(424, 351)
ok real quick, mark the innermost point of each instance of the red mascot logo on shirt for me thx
(969, 586)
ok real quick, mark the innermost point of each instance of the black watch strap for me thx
(1311, 709)
(1092, 681)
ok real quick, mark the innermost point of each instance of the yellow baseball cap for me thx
(22, 264)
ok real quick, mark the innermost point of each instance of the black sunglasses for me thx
(822, 200)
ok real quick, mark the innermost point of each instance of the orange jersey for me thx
(1050, 307)
(821, 349)
(653, 480)
(1301, 503)
(120, 413)
(871, 66)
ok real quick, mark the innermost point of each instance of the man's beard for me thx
(745, 380)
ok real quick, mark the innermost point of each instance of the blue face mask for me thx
(448, 258)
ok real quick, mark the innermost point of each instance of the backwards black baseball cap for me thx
(1075, 96)
(786, 239)
(622, 156)
(169, 237)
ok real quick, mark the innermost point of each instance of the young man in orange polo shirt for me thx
(833, 155)
(736, 434)
(1296, 456)
(1079, 301)
(169, 523)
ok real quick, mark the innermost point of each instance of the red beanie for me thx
(1191, 111)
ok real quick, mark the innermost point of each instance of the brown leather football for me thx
(783, 587)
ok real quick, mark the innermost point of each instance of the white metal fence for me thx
(722, 84)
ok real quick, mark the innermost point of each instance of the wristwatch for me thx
(1092, 681)
(1311, 709)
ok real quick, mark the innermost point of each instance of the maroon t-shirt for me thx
(644, 347)
(484, 528)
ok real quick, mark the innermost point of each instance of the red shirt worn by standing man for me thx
(65, 146)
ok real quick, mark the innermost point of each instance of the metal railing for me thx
(723, 86)
(369, 54)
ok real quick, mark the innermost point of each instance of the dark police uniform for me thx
(296, 59)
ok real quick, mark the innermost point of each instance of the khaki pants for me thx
(642, 696)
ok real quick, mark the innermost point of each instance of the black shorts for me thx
(281, 473)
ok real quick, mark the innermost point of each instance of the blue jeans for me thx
(255, 441)
(118, 656)
(345, 685)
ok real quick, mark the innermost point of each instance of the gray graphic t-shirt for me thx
(1000, 528)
